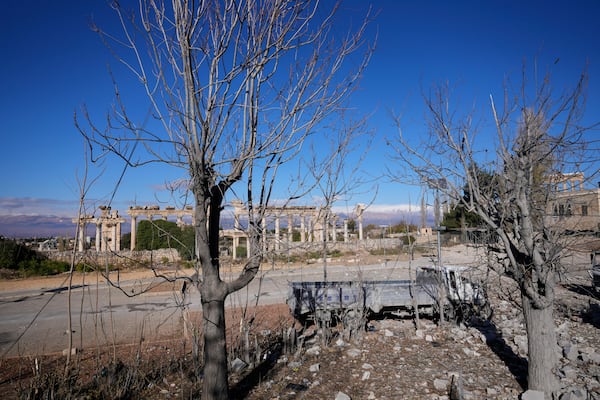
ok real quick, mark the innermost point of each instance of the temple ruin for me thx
(315, 224)
(108, 229)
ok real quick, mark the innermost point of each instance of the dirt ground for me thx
(392, 360)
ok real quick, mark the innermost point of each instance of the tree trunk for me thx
(215, 384)
(542, 348)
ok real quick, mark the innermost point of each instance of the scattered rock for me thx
(353, 352)
(570, 352)
(457, 391)
(314, 350)
(568, 372)
(342, 396)
(74, 351)
(576, 394)
(238, 365)
(533, 395)
(440, 384)
(521, 342)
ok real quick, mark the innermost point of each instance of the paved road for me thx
(35, 321)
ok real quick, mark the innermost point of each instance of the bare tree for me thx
(84, 184)
(337, 175)
(537, 136)
(235, 88)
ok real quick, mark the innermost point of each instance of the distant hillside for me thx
(24, 226)
(21, 226)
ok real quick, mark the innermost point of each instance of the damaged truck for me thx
(434, 289)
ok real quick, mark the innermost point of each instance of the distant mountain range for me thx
(27, 226)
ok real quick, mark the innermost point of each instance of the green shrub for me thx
(161, 234)
(13, 254)
(34, 267)
(241, 251)
(389, 252)
(28, 262)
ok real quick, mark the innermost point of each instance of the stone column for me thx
(236, 242)
(302, 229)
(264, 234)
(248, 247)
(104, 235)
(133, 232)
(360, 208)
(360, 229)
(346, 231)
(290, 228)
(238, 208)
(98, 236)
(115, 239)
(80, 238)
(319, 229)
(334, 229)
(277, 232)
(117, 236)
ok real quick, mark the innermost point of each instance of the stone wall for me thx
(160, 256)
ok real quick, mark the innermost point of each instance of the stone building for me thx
(572, 207)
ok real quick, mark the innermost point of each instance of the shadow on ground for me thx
(516, 364)
(592, 315)
(584, 290)
(241, 389)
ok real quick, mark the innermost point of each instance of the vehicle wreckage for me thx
(434, 287)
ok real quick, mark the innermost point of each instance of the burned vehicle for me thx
(446, 286)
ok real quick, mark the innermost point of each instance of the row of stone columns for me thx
(310, 231)
(108, 225)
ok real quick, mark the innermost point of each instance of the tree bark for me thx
(215, 382)
(542, 347)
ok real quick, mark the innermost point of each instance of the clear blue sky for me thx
(52, 63)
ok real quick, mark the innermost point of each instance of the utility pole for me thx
(438, 184)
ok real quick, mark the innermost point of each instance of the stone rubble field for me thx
(485, 360)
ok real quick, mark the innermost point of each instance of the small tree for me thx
(337, 177)
(235, 88)
(535, 139)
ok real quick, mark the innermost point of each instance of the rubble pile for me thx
(395, 360)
